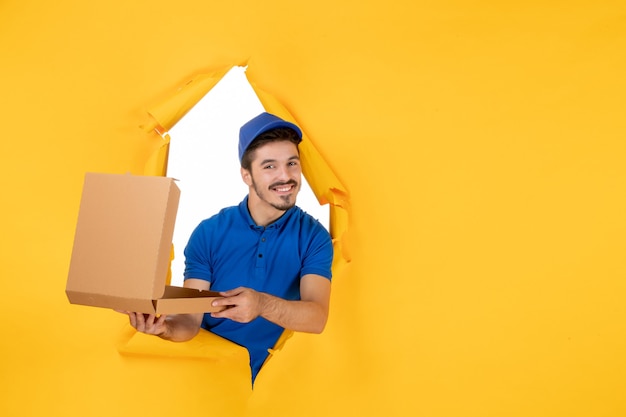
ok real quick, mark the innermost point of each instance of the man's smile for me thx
(284, 187)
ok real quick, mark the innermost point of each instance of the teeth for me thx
(282, 189)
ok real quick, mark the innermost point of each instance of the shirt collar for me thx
(245, 213)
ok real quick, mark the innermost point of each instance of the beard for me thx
(287, 201)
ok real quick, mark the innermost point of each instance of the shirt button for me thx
(260, 255)
(262, 239)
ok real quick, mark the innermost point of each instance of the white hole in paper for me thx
(203, 157)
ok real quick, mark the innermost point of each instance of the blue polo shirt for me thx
(229, 250)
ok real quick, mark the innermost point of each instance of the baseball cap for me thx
(261, 124)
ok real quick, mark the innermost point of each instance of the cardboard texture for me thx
(122, 245)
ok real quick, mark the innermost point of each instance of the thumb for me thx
(233, 292)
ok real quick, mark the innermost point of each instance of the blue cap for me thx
(261, 124)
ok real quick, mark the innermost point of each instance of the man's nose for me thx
(283, 173)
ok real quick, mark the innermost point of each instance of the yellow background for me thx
(483, 147)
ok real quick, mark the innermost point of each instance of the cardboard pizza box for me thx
(122, 246)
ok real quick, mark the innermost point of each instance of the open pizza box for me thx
(122, 247)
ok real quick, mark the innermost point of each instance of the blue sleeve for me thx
(318, 257)
(198, 255)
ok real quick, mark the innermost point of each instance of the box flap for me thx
(123, 236)
(176, 300)
(179, 300)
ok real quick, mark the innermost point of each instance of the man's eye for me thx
(268, 166)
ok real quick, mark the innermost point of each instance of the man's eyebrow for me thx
(267, 161)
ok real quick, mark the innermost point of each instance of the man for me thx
(269, 260)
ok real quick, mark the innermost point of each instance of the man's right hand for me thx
(147, 323)
(175, 327)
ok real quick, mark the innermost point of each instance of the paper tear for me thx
(321, 178)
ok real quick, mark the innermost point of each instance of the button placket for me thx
(260, 261)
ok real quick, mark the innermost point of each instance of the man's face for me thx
(275, 175)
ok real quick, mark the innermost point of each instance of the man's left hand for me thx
(242, 304)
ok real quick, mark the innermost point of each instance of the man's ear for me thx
(246, 177)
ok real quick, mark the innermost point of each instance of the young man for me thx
(270, 261)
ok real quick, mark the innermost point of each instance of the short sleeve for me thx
(198, 254)
(318, 257)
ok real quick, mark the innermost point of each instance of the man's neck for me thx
(262, 213)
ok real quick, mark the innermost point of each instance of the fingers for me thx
(242, 305)
(133, 319)
(229, 298)
(225, 302)
(233, 292)
(147, 323)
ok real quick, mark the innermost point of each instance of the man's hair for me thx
(280, 134)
